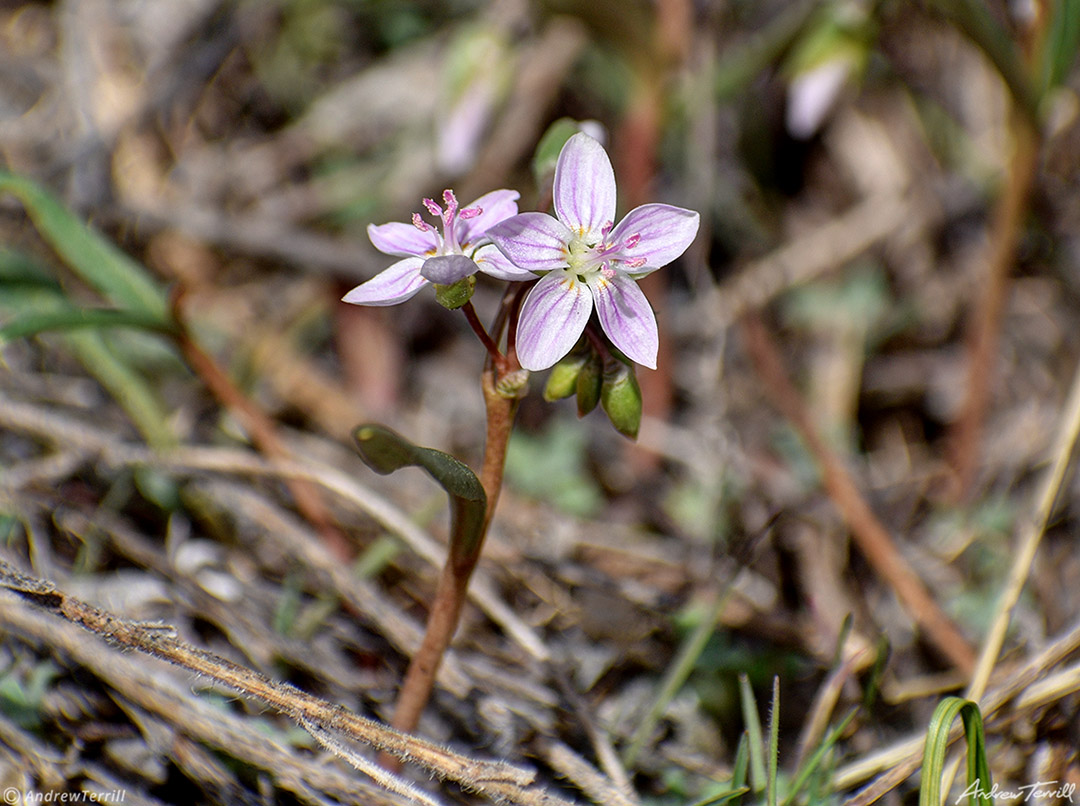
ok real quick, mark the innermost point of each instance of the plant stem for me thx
(492, 348)
(452, 589)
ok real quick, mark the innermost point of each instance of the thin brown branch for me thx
(900, 761)
(985, 329)
(263, 433)
(496, 780)
(869, 534)
(75, 433)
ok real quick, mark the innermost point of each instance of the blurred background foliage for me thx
(890, 187)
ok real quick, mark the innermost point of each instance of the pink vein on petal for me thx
(552, 319)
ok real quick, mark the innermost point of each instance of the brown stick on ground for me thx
(986, 325)
(499, 781)
(262, 431)
(869, 534)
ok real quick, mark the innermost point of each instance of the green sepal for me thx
(455, 295)
(589, 380)
(385, 451)
(620, 397)
(562, 382)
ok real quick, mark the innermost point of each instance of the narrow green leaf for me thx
(742, 63)
(1062, 42)
(20, 270)
(724, 797)
(126, 386)
(32, 324)
(739, 769)
(752, 720)
(43, 304)
(547, 150)
(978, 23)
(774, 744)
(385, 451)
(101, 264)
(677, 673)
(937, 742)
(813, 762)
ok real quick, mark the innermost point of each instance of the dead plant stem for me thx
(496, 780)
(263, 433)
(869, 534)
(986, 323)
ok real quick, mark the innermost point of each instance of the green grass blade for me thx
(739, 770)
(32, 324)
(677, 674)
(1062, 41)
(19, 270)
(813, 761)
(752, 720)
(937, 742)
(774, 745)
(120, 279)
(742, 63)
(45, 304)
(724, 797)
(126, 386)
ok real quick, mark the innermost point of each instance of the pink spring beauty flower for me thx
(587, 261)
(428, 256)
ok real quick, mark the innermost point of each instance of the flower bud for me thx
(455, 295)
(620, 397)
(562, 382)
(513, 384)
(589, 380)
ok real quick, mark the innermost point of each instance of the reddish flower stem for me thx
(452, 588)
(492, 348)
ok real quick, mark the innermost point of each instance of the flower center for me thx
(583, 259)
(447, 243)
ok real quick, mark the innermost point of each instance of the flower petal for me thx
(396, 284)
(627, 318)
(448, 269)
(402, 240)
(584, 193)
(496, 206)
(664, 232)
(533, 241)
(552, 318)
(495, 264)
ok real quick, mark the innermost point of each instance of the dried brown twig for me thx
(901, 760)
(76, 434)
(872, 538)
(331, 725)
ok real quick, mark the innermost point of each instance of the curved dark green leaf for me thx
(19, 270)
(937, 742)
(385, 451)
